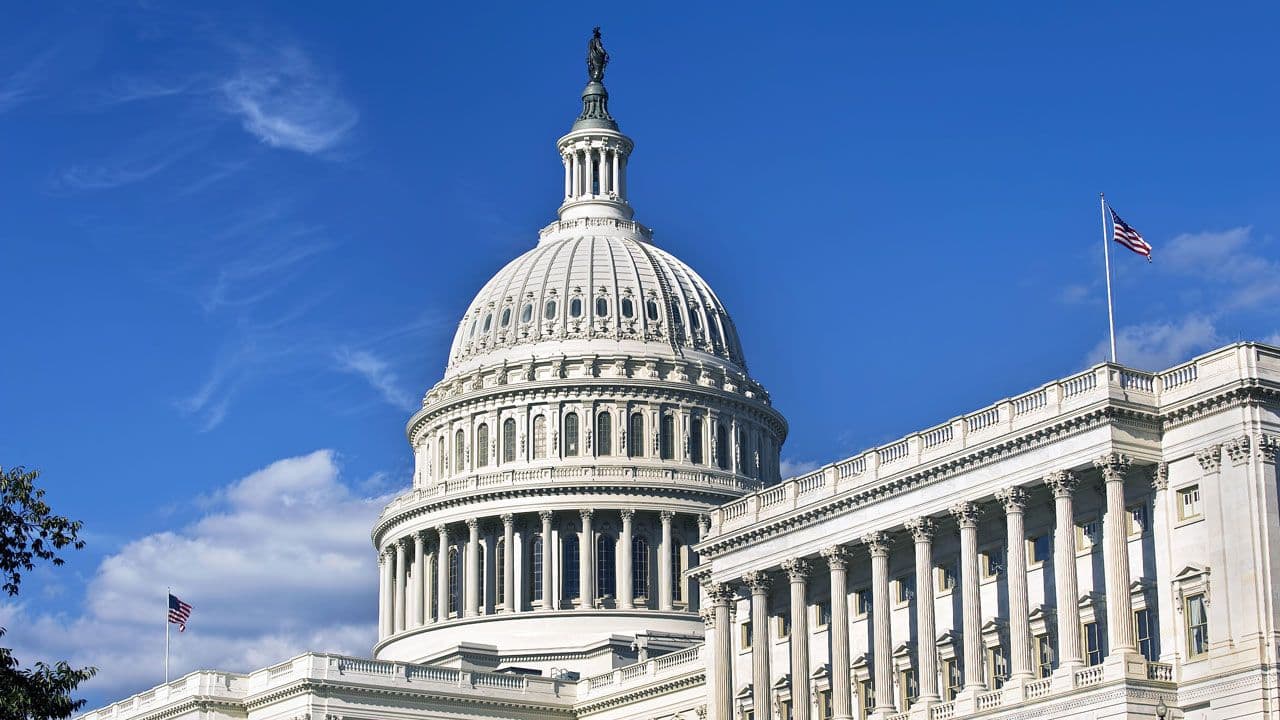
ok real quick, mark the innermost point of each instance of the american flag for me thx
(1128, 237)
(179, 612)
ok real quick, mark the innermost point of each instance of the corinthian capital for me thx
(1014, 499)
(1267, 446)
(1062, 482)
(1113, 466)
(966, 513)
(1210, 458)
(922, 529)
(837, 557)
(797, 569)
(1160, 476)
(708, 617)
(1238, 449)
(757, 581)
(877, 542)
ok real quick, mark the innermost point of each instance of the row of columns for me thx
(581, 166)
(922, 531)
(405, 599)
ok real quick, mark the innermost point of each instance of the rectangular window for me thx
(1088, 533)
(952, 679)
(908, 688)
(945, 577)
(1136, 518)
(1144, 631)
(824, 705)
(1189, 502)
(748, 714)
(1039, 549)
(784, 710)
(1092, 643)
(862, 603)
(904, 589)
(866, 697)
(822, 614)
(745, 635)
(997, 667)
(784, 625)
(992, 562)
(1197, 619)
(1044, 656)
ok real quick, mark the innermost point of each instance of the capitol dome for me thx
(596, 406)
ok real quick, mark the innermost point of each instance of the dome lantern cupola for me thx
(594, 152)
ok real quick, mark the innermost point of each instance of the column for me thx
(588, 159)
(966, 515)
(606, 180)
(471, 572)
(547, 554)
(616, 183)
(882, 657)
(664, 563)
(442, 573)
(568, 177)
(1014, 500)
(419, 591)
(1160, 516)
(400, 585)
(722, 653)
(759, 582)
(922, 530)
(428, 580)
(508, 563)
(798, 576)
(1115, 538)
(837, 558)
(586, 563)
(625, 591)
(1067, 603)
(384, 595)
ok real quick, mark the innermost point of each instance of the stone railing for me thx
(206, 685)
(1098, 385)
(943, 711)
(629, 676)
(1162, 672)
(1087, 676)
(988, 700)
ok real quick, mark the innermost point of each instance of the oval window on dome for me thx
(506, 317)
(526, 313)
(628, 308)
(602, 307)
(695, 320)
(549, 312)
(488, 322)
(651, 309)
(474, 323)
(575, 307)
(714, 330)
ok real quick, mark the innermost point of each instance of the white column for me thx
(419, 591)
(966, 515)
(589, 161)
(508, 563)
(1014, 500)
(922, 530)
(759, 582)
(616, 183)
(664, 563)
(547, 555)
(798, 571)
(606, 181)
(471, 570)
(1160, 516)
(625, 592)
(586, 563)
(442, 573)
(1067, 608)
(428, 581)
(400, 585)
(837, 558)
(384, 595)
(722, 653)
(1115, 536)
(568, 177)
(882, 657)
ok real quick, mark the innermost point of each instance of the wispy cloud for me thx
(790, 467)
(265, 269)
(1231, 259)
(127, 171)
(285, 102)
(1159, 345)
(22, 84)
(378, 373)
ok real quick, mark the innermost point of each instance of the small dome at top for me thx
(608, 293)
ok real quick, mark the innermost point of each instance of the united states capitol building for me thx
(598, 529)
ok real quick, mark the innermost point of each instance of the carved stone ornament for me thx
(1267, 446)
(797, 569)
(757, 581)
(1014, 499)
(708, 616)
(837, 557)
(877, 542)
(922, 529)
(1062, 482)
(1210, 458)
(966, 513)
(1238, 449)
(1160, 476)
(1113, 466)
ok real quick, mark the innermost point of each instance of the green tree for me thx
(30, 532)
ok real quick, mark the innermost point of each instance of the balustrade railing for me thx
(1160, 671)
(1088, 676)
(942, 711)
(989, 700)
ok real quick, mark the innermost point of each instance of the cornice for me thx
(654, 689)
(328, 687)
(193, 702)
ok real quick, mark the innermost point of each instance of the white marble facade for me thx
(597, 527)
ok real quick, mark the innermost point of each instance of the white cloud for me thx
(377, 372)
(280, 564)
(1230, 259)
(1159, 345)
(284, 102)
(790, 467)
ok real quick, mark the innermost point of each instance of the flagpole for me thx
(168, 591)
(1106, 258)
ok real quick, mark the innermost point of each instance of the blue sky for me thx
(237, 239)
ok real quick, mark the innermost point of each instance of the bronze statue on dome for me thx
(597, 58)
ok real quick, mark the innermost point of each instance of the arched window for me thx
(628, 308)
(571, 566)
(499, 586)
(667, 437)
(455, 573)
(651, 309)
(482, 445)
(442, 457)
(540, 437)
(575, 307)
(639, 566)
(695, 319)
(488, 322)
(722, 447)
(714, 329)
(742, 451)
(606, 579)
(536, 550)
(635, 436)
(526, 313)
(472, 333)
(571, 435)
(509, 440)
(549, 312)
(506, 317)
(677, 587)
(604, 434)
(695, 440)
(459, 451)
(602, 307)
